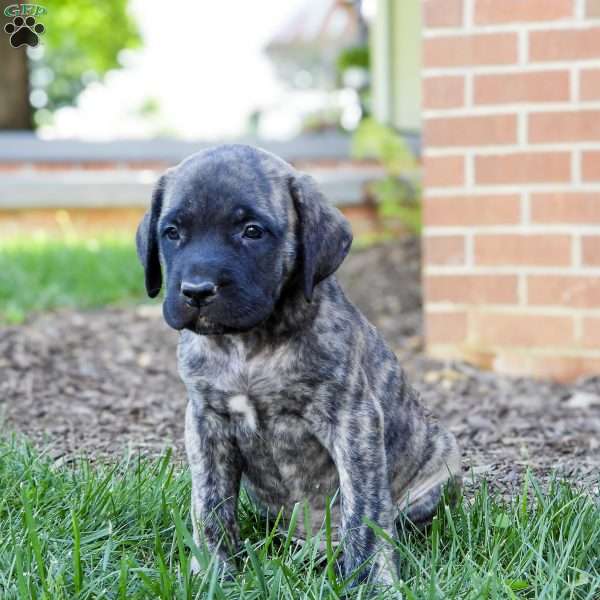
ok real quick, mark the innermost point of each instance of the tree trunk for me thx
(15, 112)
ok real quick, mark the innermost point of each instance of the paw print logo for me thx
(24, 32)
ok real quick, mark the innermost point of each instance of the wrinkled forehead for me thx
(215, 183)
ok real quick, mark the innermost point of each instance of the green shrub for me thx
(398, 194)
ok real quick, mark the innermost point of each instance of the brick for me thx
(590, 250)
(589, 84)
(523, 250)
(539, 86)
(449, 327)
(151, 165)
(12, 167)
(523, 167)
(55, 166)
(591, 332)
(571, 126)
(470, 131)
(441, 171)
(568, 44)
(463, 50)
(363, 218)
(443, 92)
(488, 12)
(471, 289)
(461, 211)
(563, 290)
(444, 250)
(501, 329)
(590, 165)
(592, 9)
(99, 165)
(568, 207)
(442, 13)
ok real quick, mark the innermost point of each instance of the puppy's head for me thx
(232, 227)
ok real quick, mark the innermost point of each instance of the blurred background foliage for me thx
(83, 40)
(354, 57)
(398, 194)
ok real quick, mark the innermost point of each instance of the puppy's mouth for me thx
(197, 320)
(219, 315)
(204, 326)
(182, 315)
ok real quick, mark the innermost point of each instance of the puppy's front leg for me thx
(359, 455)
(215, 467)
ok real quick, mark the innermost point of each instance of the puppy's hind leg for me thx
(441, 472)
(420, 509)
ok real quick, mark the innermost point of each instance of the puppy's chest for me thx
(247, 393)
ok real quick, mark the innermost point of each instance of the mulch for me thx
(104, 383)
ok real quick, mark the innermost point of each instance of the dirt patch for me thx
(105, 382)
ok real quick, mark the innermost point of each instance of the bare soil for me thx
(104, 383)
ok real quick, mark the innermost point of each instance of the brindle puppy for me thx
(290, 388)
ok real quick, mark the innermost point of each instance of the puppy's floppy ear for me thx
(146, 240)
(325, 234)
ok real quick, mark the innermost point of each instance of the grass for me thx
(122, 531)
(42, 273)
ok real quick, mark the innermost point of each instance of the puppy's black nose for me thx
(198, 294)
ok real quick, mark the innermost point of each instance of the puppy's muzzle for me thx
(200, 293)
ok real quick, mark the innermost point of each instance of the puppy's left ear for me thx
(146, 239)
(325, 234)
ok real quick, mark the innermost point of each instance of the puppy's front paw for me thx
(377, 582)
(389, 593)
(382, 579)
(374, 590)
(195, 566)
(227, 569)
(381, 587)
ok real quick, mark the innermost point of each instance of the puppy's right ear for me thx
(146, 240)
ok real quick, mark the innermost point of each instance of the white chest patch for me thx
(240, 406)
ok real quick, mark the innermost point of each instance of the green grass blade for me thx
(34, 539)
(257, 567)
(77, 567)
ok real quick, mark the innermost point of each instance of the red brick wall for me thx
(511, 121)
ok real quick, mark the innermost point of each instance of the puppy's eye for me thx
(253, 232)
(171, 233)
